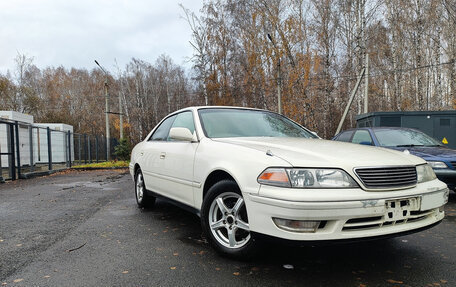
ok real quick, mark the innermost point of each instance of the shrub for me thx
(123, 149)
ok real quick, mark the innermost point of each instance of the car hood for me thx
(430, 152)
(304, 152)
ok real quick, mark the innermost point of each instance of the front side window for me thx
(222, 123)
(162, 132)
(184, 120)
(362, 136)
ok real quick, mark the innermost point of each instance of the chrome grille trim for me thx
(387, 177)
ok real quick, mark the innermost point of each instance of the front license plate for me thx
(399, 209)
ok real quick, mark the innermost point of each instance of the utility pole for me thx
(366, 85)
(279, 78)
(347, 108)
(120, 117)
(108, 136)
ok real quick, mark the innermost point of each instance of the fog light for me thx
(296, 225)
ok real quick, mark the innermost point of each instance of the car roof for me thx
(195, 108)
(380, 128)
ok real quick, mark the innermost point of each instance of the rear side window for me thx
(345, 136)
(362, 136)
(162, 132)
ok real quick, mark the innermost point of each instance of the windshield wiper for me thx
(433, 145)
(409, 145)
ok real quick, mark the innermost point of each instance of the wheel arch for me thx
(214, 177)
(135, 169)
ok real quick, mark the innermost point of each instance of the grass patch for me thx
(116, 163)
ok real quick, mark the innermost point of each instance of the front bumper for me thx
(448, 176)
(350, 219)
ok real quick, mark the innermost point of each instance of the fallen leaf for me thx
(236, 273)
(172, 268)
(394, 281)
(19, 245)
(176, 254)
(202, 252)
(47, 276)
(18, 280)
(362, 285)
(443, 281)
(1, 240)
(125, 272)
(216, 268)
(255, 269)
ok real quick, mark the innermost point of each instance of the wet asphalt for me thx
(84, 229)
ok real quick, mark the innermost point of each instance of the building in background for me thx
(33, 140)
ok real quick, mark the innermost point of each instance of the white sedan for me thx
(250, 172)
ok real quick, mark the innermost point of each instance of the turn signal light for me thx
(274, 176)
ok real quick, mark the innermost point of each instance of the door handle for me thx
(141, 153)
(162, 155)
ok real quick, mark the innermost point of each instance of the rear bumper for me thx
(345, 220)
(448, 176)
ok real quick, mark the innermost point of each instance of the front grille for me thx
(453, 163)
(387, 177)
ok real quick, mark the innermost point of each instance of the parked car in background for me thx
(249, 172)
(439, 157)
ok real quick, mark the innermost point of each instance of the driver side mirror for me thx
(182, 134)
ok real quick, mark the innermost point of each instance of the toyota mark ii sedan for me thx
(252, 173)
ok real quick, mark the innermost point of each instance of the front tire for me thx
(142, 198)
(224, 220)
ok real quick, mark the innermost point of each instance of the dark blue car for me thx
(441, 158)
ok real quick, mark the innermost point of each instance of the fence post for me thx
(69, 148)
(96, 148)
(1, 170)
(18, 152)
(32, 167)
(79, 148)
(11, 156)
(88, 149)
(49, 148)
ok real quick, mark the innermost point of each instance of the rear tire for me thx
(224, 220)
(143, 199)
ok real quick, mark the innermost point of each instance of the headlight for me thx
(307, 178)
(437, 164)
(425, 173)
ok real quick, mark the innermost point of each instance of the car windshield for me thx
(404, 138)
(224, 123)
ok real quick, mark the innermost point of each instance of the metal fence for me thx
(28, 149)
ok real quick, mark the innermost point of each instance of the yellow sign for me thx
(445, 141)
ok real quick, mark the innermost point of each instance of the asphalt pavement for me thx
(84, 229)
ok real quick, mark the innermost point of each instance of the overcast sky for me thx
(75, 33)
